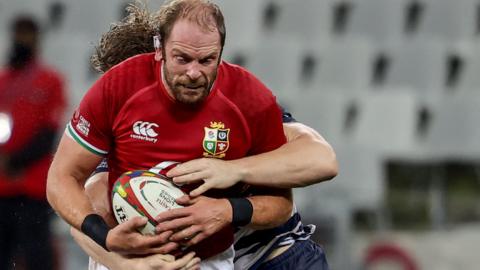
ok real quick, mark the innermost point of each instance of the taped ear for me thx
(158, 47)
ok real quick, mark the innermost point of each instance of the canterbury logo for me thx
(144, 131)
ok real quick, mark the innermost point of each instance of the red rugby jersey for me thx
(34, 98)
(129, 117)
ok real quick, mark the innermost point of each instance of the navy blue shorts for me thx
(304, 255)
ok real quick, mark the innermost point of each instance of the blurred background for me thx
(391, 84)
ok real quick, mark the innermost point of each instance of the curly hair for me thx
(129, 37)
(133, 35)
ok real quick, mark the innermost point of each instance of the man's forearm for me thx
(271, 210)
(68, 172)
(67, 198)
(306, 159)
(115, 261)
(110, 259)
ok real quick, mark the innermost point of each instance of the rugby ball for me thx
(147, 194)
(143, 194)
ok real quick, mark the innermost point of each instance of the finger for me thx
(187, 233)
(195, 267)
(184, 261)
(193, 264)
(165, 257)
(135, 222)
(192, 177)
(200, 190)
(184, 200)
(174, 224)
(187, 200)
(184, 168)
(165, 235)
(152, 241)
(164, 249)
(172, 214)
(197, 239)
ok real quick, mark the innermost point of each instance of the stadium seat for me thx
(327, 112)
(378, 20)
(71, 56)
(91, 17)
(360, 182)
(244, 21)
(278, 65)
(419, 64)
(359, 186)
(344, 63)
(452, 137)
(387, 122)
(449, 20)
(10, 9)
(305, 20)
(454, 129)
(469, 79)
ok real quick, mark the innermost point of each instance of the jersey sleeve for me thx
(263, 115)
(90, 124)
(267, 130)
(258, 105)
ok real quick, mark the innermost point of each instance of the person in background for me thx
(32, 102)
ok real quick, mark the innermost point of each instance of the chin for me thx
(189, 100)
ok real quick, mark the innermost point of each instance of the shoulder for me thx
(241, 86)
(237, 75)
(137, 63)
(129, 76)
(114, 88)
(238, 82)
(50, 74)
(138, 68)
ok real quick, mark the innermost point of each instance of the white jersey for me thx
(252, 247)
(222, 261)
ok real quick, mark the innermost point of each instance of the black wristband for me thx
(96, 228)
(242, 211)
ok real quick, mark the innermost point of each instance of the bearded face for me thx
(191, 58)
(188, 89)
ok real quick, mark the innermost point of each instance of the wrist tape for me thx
(95, 227)
(242, 211)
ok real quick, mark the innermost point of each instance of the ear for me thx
(158, 55)
(157, 44)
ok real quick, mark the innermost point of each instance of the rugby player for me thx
(186, 93)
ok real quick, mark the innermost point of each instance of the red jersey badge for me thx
(215, 142)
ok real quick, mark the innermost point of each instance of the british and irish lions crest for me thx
(215, 142)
